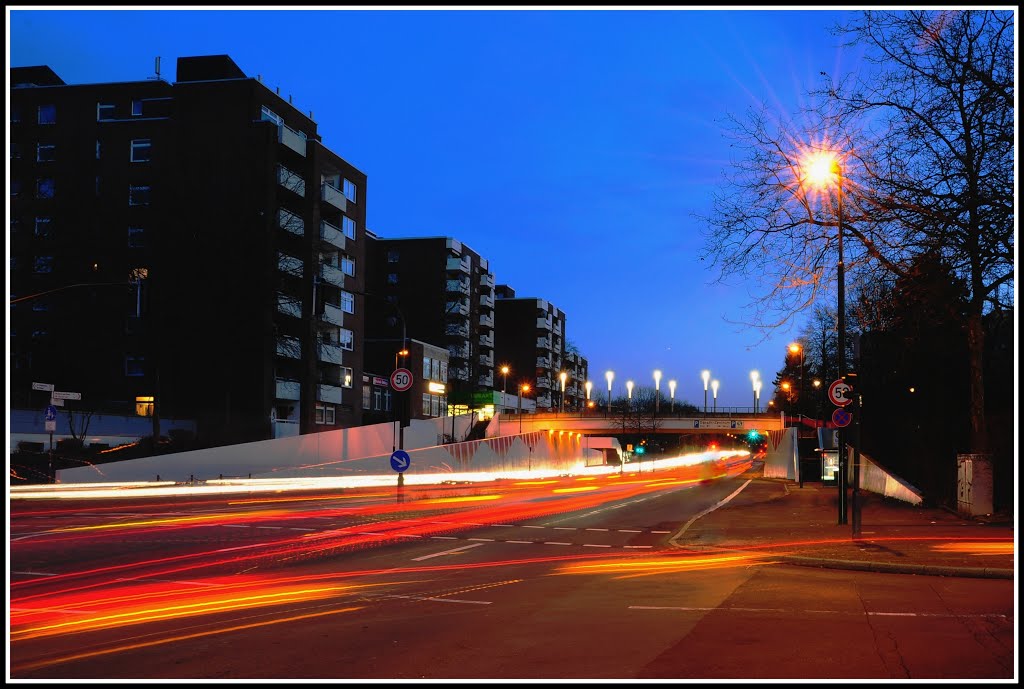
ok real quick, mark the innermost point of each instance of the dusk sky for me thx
(571, 148)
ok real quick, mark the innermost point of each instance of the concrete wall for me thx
(781, 459)
(363, 450)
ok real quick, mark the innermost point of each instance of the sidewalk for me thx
(778, 520)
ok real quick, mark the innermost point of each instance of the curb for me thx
(894, 568)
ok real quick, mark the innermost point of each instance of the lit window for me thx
(366, 396)
(45, 153)
(426, 404)
(349, 190)
(141, 150)
(329, 415)
(138, 195)
(347, 339)
(104, 111)
(45, 188)
(426, 367)
(348, 265)
(348, 227)
(346, 377)
(392, 278)
(47, 114)
(348, 302)
(144, 406)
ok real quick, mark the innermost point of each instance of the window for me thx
(348, 302)
(136, 107)
(45, 153)
(98, 149)
(387, 399)
(136, 237)
(444, 372)
(348, 265)
(366, 395)
(43, 228)
(349, 190)
(392, 278)
(47, 114)
(43, 264)
(104, 111)
(325, 414)
(15, 187)
(141, 149)
(138, 195)
(134, 365)
(348, 227)
(426, 367)
(15, 150)
(45, 188)
(392, 255)
(377, 397)
(347, 339)
(346, 377)
(426, 404)
(15, 113)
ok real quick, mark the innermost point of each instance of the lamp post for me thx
(706, 375)
(672, 393)
(757, 394)
(629, 394)
(522, 388)
(817, 400)
(609, 375)
(754, 376)
(588, 385)
(657, 391)
(395, 406)
(714, 389)
(562, 376)
(822, 170)
(797, 348)
(787, 388)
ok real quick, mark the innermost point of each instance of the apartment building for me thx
(439, 291)
(189, 249)
(530, 339)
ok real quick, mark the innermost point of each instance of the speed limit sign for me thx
(401, 379)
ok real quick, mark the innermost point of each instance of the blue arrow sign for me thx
(400, 460)
(51, 413)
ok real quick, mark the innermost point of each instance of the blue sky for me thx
(571, 148)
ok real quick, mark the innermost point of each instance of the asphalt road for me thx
(564, 579)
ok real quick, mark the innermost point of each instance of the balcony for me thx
(544, 382)
(332, 235)
(287, 389)
(289, 264)
(487, 300)
(333, 196)
(486, 379)
(456, 308)
(332, 275)
(458, 286)
(486, 320)
(487, 360)
(487, 340)
(333, 315)
(289, 347)
(291, 222)
(458, 373)
(457, 330)
(456, 263)
(290, 180)
(543, 343)
(544, 402)
(328, 393)
(290, 306)
(487, 280)
(544, 324)
(543, 362)
(458, 352)
(330, 353)
(292, 139)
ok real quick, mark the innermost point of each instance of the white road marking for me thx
(565, 528)
(490, 540)
(531, 526)
(637, 546)
(447, 552)
(445, 538)
(555, 543)
(504, 525)
(594, 545)
(597, 529)
(269, 527)
(36, 574)
(629, 531)
(237, 526)
(445, 600)
(672, 541)
(527, 542)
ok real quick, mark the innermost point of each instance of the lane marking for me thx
(555, 543)
(526, 542)
(672, 541)
(448, 552)
(595, 545)
(445, 600)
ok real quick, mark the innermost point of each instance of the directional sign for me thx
(58, 395)
(400, 460)
(48, 387)
(841, 417)
(56, 402)
(839, 393)
(401, 379)
(51, 413)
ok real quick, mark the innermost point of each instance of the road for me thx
(573, 577)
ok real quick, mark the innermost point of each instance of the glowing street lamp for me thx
(522, 388)
(754, 376)
(562, 376)
(588, 385)
(714, 388)
(609, 375)
(672, 392)
(797, 348)
(629, 392)
(657, 391)
(757, 394)
(706, 375)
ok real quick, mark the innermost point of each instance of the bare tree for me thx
(926, 143)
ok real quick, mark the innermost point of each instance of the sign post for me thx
(51, 426)
(840, 394)
(401, 380)
(400, 461)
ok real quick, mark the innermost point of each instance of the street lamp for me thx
(822, 169)
(562, 376)
(672, 393)
(797, 348)
(706, 375)
(757, 394)
(754, 376)
(522, 388)
(657, 391)
(629, 393)
(588, 385)
(714, 389)
(789, 396)
(609, 375)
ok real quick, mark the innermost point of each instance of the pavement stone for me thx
(780, 521)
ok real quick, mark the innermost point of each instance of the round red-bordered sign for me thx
(841, 418)
(838, 393)
(401, 379)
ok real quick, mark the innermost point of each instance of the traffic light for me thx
(753, 436)
(640, 449)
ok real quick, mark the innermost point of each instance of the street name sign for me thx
(58, 395)
(48, 387)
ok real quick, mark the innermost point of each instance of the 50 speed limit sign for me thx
(401, 379)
